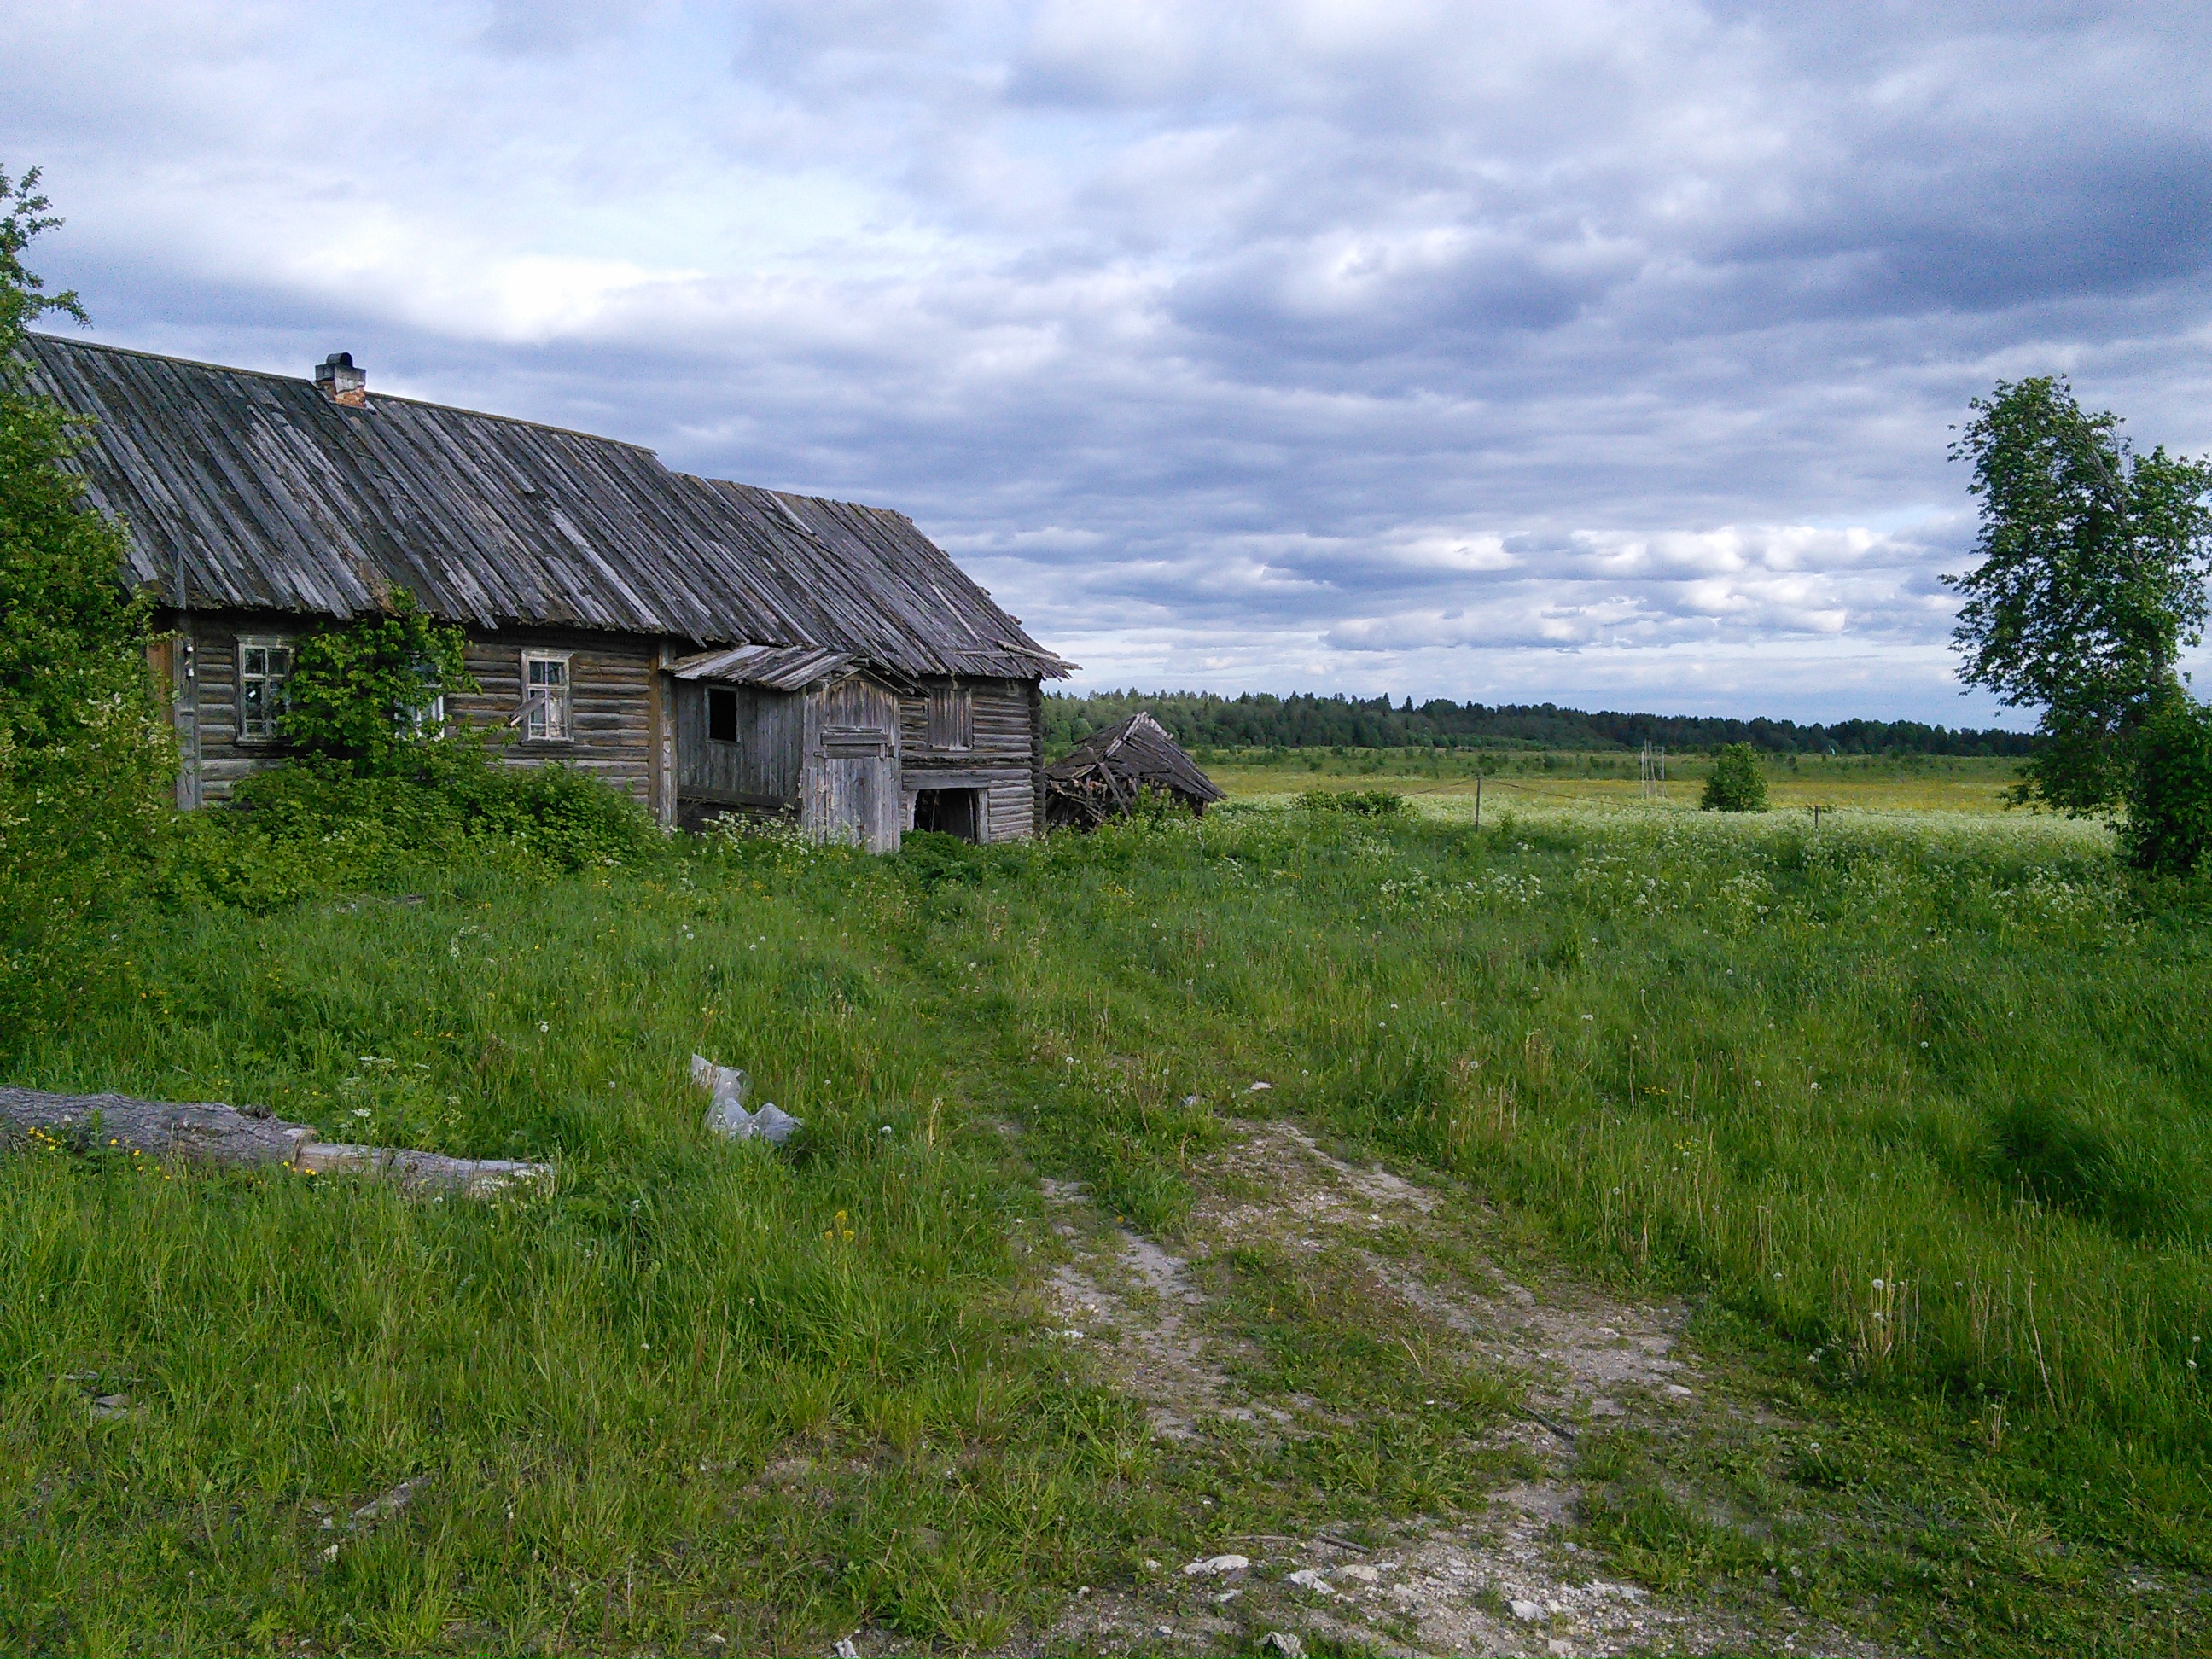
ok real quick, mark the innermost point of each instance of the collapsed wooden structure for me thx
(708, 646)
(1108, 773)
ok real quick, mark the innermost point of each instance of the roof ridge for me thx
(250, 482)
(301, 380)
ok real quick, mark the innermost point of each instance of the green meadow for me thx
(1914, 1108)
(1536, 778)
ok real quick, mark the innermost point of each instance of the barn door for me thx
(853, 785)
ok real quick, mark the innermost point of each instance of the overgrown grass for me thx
(1920, 1106)
(1534, 778)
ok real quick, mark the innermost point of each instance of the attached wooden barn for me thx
(1109, 772)
(709, 646)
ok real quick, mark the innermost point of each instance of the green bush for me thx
(366, 694)
(2168, 828)
(1365, 803)
(311, 827)
(469, 801)
(1736, 783)
(82, 752)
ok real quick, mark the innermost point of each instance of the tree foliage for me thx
(1258, 721)
(2168, 829)
(1736, 784)
(82, 752)
(2089, 581)
(367, 696)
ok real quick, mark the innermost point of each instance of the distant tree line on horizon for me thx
(1207, 719)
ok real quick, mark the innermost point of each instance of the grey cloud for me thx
(1276, 344)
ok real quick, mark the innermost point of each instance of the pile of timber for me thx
(202, 1132)
(1103, 777)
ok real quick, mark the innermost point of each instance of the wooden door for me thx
(851, 791)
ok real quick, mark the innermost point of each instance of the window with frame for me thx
(951, 717)
(265, 673)
(545, 695)
(429, 713)
(721, 714)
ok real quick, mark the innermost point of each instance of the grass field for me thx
(1912, 783)
(1909, 1111)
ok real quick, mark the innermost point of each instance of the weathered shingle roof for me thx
(1104, 775)
(258, 492)
(778, 667)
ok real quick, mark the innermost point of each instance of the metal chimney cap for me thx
(337, 379)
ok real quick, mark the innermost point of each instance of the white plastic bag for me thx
(726, 1115)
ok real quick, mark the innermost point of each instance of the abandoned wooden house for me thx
(1109, 772)
(709, 646)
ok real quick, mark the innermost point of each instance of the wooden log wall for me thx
(619, 704)
(1037, 820)
(611, 704)
(610, 698)
(1010, 809)
(1005, 761)
(216, 757)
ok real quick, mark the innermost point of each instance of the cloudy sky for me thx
(1599, 351)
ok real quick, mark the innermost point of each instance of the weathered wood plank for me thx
(276, 499)
(206, 1131)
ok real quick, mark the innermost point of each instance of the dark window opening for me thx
(951, 813)
(721, 713)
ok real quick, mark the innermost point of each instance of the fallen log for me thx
(205, 1132)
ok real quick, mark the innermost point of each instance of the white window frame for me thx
(547, 718)
(266, 729)
(416, 717)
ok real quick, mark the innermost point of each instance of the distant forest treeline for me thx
(1206, 719)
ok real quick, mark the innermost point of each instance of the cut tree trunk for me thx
(204, 1132)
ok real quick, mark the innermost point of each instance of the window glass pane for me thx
(430, 709)
(547, 680)
(263, 669)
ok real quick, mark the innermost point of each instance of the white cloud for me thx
(1309, 341)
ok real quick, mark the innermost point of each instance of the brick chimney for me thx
(336, 379)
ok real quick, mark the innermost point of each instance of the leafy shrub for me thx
(1365, 803)
(366, 694)
(931, 860)
(82, 752)
(2168, 829)
(311, 827)
(1736, 783)
(554, 814)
